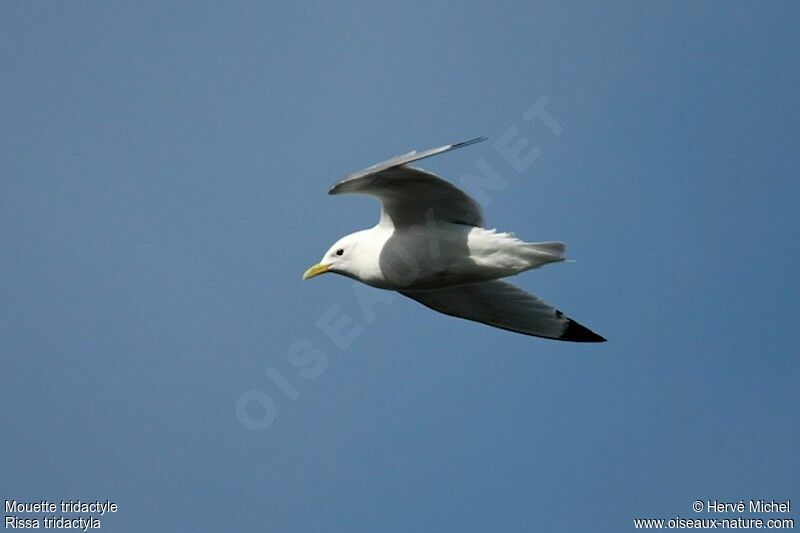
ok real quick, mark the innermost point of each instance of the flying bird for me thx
(430, 245)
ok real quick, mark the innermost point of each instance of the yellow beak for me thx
(315, 270)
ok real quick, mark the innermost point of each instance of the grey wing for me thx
(412, 196)
(505, 306)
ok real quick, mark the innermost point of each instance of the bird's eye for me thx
(340, 251)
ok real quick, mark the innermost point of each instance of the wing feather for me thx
(413, 196)
(503, 305)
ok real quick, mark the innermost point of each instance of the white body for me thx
(441, 255)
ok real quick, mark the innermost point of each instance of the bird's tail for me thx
(541, 253)
(509, 255)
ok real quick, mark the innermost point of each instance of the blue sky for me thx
(163, 178)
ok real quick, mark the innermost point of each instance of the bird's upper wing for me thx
(505, 306)
(411, 195)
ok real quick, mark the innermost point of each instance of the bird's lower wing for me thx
(505, 306)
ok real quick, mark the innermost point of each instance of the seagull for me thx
(430, 245)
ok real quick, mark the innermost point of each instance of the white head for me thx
(341, 258)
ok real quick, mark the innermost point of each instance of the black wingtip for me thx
(467, 143)
(336, 187)
(577, 333)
